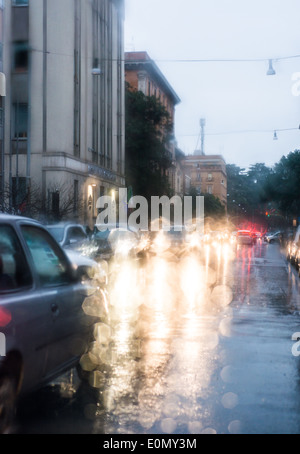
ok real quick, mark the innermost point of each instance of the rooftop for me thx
(141, 60)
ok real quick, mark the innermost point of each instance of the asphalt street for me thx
(220, 359)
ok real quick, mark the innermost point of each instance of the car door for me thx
(27, 326)
(63, 296)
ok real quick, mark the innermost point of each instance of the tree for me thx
(213, 207)
(238, 190)
(283, 183)
(147, 128)
(60, 204)
(246, 189)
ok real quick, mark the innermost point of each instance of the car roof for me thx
(64, 224)
(13, 218)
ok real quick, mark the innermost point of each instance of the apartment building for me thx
(64, 127)
(2, 94)
(207, 174)
(143, 74)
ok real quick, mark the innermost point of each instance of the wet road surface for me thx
(211, 354)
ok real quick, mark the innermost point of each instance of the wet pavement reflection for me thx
(194, 344)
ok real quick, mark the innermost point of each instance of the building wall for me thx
(75, 118)
(2, 104)
(207, 173)
(142, 74)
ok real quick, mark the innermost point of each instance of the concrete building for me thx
(64, 129)
(142, 74)
(207, 174)
(2, 94)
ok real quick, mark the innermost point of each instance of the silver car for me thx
(43, 328)
(68, 235)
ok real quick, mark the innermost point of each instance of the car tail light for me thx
(5, 317)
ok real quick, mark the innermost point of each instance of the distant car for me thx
(44, 330)
(293, 247)
(244, 237)
(274, 237)
(177, 236)
(69, 235)
(257, 235)
(87, 268)
(119, 241)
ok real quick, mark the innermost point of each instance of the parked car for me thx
(87, 268)
(274, 237)
(118, 240)
(293, 246)
(297, 259)
(41, 317)
(69, 235)
(244, 237)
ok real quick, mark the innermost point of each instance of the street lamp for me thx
(271, 70)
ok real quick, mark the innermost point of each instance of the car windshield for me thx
(98, 235)
(57, 233)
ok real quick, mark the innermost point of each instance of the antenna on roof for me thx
(202, 125)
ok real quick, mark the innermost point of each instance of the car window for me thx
(75, 234)
(14, 270)
(57, 232)
(50, 263)
(101, 235)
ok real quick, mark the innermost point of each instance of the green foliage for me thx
(147, 131)
(213, 207)
(246, 189)
(283, 184)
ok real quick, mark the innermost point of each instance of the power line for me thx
(245, 131)
(226, 60)
(181, 60)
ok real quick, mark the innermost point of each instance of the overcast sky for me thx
(241, 104)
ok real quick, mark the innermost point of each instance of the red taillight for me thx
(5, 317)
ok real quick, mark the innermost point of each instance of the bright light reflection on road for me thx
(154, 350)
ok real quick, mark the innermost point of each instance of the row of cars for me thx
(293, 250)
(46, 274)
(43, 287)
(248, 237)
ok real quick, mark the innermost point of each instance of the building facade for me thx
(64, 128)
(2, 102)
(142, 74)
(207, 174)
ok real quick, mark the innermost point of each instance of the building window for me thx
(20, 56)
(20, 121)
(209, 177)
(209, 189)
(19, 2)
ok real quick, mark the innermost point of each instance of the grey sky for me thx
(231, 96)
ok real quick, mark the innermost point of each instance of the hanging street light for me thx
(271, 70)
